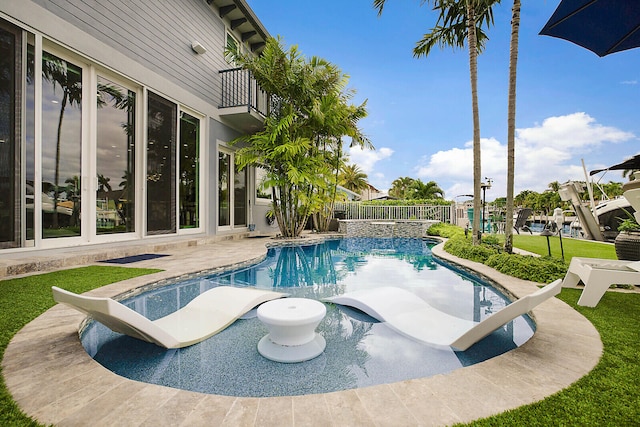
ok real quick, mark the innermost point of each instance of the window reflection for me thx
(224, 195)
(161, 169)
(189, 171)
(10, 68)
(115, 196)
(239, 197)
(61, 146)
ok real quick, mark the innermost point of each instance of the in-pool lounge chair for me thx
(598, 275)
(412, 316)
(206, 315)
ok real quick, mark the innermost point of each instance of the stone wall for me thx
(373, 228)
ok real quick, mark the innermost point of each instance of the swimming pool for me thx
(360, 351)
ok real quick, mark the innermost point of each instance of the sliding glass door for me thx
(232, 192)
(161, 165)
(10, 90)
(61, 147)
(115, 158)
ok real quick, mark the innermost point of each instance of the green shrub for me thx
(445, 230)
(537, 269)
(464, 248)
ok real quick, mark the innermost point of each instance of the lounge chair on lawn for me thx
(521, 221)
(598, 275)
(411, 316)
(206, 315)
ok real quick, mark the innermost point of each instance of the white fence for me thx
(356, 210)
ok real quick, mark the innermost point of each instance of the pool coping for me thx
(55, 381)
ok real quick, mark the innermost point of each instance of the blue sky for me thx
(571, 104)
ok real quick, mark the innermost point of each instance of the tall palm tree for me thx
(353, 178)
(460, 22)
(57, 72)
(511, 125)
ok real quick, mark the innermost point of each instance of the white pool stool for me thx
(292, 336)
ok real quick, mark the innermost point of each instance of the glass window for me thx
(30, 139)
(10, 95)
(61, 146)
(232, 48)
(232, 192)
(189, 171)
(224, 187)
(239, 197)
(115, 196)
(263, 191)
(161, 165)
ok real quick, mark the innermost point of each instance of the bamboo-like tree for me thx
(301, 144)
(460, 22)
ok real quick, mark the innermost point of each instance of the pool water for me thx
(360, 351)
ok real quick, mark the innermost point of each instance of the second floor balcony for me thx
(244, 104)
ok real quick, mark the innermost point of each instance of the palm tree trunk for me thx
(477, 163)
(56, 192)
(511, 125)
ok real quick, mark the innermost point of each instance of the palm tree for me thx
(511, 125)
(459, 21)
(352, 178)
(57, 72)
(399, 187)
(420, 190)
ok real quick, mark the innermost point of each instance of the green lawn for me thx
(24, 299)
(609, 395)
(572, 247)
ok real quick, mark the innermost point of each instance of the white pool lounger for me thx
(598, 275)
(206, 315)
(410, 315)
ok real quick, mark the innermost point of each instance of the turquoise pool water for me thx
(360, 351)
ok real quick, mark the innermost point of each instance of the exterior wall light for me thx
(198, 48)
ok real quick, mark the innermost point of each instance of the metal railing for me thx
(240, 89)
(357, 210)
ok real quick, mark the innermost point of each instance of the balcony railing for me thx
(240, 89)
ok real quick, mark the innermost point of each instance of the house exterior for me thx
(116, 118)
(372, 193)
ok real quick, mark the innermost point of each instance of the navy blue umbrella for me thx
(602, 26)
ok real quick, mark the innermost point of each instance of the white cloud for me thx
(563, 133)
(545, 153)
(629, 82)
(367, 159)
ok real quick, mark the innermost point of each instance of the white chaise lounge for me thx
(411, 316)
(598, 275)
(203, 317)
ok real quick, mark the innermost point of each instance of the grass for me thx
(609, 395)
(24, 299)
(572, 247)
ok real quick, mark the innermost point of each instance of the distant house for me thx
(115, 119)
(348, 194)
(372, 193)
